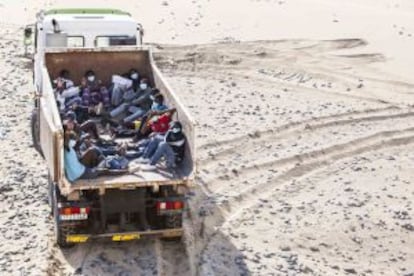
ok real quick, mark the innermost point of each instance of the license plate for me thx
(125, 237)
(74, 217)
(77, 238)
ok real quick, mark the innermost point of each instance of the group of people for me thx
(129, 107)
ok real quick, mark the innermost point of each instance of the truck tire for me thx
(35, 128)
(50, 187)
(64, 231)
(171, 222)
(61, 231)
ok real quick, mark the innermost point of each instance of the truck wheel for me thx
(61, 231)
(50, 187)
(174, 221)
(34, 124)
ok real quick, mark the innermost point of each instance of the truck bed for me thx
(121, 59)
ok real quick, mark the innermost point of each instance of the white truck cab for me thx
(81, 28)
(87, 28)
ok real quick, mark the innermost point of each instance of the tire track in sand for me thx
(146, 257)
(234, 207)
(292, 125)
(283, 132)
(302, 164)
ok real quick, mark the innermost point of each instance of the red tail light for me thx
(170, 205)
(74, 210)
(178, 205)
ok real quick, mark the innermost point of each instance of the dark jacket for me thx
(143, 99)
(177, 143)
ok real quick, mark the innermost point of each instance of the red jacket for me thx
(161, 124)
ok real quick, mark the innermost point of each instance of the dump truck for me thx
(107, 207)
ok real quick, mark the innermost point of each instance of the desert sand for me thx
(305, 141)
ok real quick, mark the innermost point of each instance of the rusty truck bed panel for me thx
(105, 63)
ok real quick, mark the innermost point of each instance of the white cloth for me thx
(71, 92)
(124, 83)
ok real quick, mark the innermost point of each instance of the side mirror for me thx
(28, 38)
(141, 32)
(140, 29)
(28, 32)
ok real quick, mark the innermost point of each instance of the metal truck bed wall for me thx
(105, 63)
(51, 133)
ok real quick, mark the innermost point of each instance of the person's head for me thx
(154, 92)
(70, 116)
(69, 125)
(159, 99)
(133, 74)
(144, 84)
(64, 74)
(70, 120)
(176, 127)
(90, 76)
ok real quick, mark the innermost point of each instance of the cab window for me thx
(105, 41)
(76, 41)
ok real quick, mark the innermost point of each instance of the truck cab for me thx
(81, 28)
(86, 28)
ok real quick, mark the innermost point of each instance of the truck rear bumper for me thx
(126, 236)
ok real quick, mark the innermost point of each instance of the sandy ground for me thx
(305, 140)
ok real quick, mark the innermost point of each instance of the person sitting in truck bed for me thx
(89, 126)
(112, 158)
(66, 92)
(122, 84)
(90, 164)
(160, 123)
(64, 79)
(135, 102)
(74, 169)
(171, 146)
(95, 96)
(89, 153)
(154, 116)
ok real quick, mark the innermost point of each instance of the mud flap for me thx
(34, 126)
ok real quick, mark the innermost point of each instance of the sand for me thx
(305, 141)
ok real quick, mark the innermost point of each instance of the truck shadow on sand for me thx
(210, 248)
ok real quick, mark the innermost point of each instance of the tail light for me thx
(178, 205)
(74, 210)
(169, 205)
(74, 213)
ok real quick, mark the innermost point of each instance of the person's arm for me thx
(160, 112)
(77, 128)
(142, 98)
(152, 134)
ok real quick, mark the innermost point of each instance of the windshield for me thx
(105, 41)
